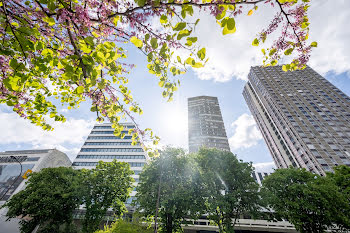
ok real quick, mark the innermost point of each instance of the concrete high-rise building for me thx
(11, 180)
(304, 119)
(205, 124)
(101, 144)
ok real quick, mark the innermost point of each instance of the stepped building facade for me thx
(101, 144)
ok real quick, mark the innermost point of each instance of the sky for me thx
(224, 76)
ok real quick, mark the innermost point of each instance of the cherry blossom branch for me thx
(76, 49)
(165, 4)
(289, 23)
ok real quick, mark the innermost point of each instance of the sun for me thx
(174, 124)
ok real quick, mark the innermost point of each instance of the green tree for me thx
(48, 200)
(122, 226)
(228, 187)
(106, 186)
(341, 177)
(172, 183)
(52, 194)
(75, 50)
(309, 201)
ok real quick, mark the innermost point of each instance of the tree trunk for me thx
(169, 223)
(157, 206)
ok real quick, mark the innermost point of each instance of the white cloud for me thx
(264, 167)
(329, 27)
(67, 137)
(246, 133)
(231, 56)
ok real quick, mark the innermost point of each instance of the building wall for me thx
(304, 119)
(102, 145)
(205, 124)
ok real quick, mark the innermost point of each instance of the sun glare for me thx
(174, 122)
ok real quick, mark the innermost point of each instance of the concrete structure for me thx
(259, 176)
(242, 226)
(11, 180)
(304, 119)
(205, 124)
(102, 145)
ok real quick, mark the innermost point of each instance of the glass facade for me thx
(132, 164)
(111, 157)
(10, 178)
(111, 150)
(107, 138)
(107, 143)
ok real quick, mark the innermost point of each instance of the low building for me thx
(13, 165)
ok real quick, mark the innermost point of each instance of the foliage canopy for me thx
(173, 180)
(49, 199)
(52, 195)
(311, 202)
(122, 226)
(74, 50)
(229, 189)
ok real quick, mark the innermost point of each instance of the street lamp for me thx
(13, 157)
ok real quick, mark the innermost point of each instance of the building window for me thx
(111, 157)
(111, 150)
(88, 164)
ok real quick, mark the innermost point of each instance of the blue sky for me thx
(224, 77)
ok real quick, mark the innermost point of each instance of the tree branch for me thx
(162, 5)
(289, 23)
(76, 50)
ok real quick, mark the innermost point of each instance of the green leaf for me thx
(80, 89)
(89, 40)
(285, 67)
(274, 62)
(314, 44)
(272, 52)
(230, 24)
(163, 19)
(190, 61)
(85, 48)
(201, 54)
(191, 40)
(197, 65)
(255, 42)
(178, 59)
(179, 26)
(137, 42)
(49, 20)
(183, 33)
(161, 83)
(140, 2)
(227, 31)
(154, 43)
(222, 14)
(288, 51)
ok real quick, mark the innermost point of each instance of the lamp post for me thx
(13, 157)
